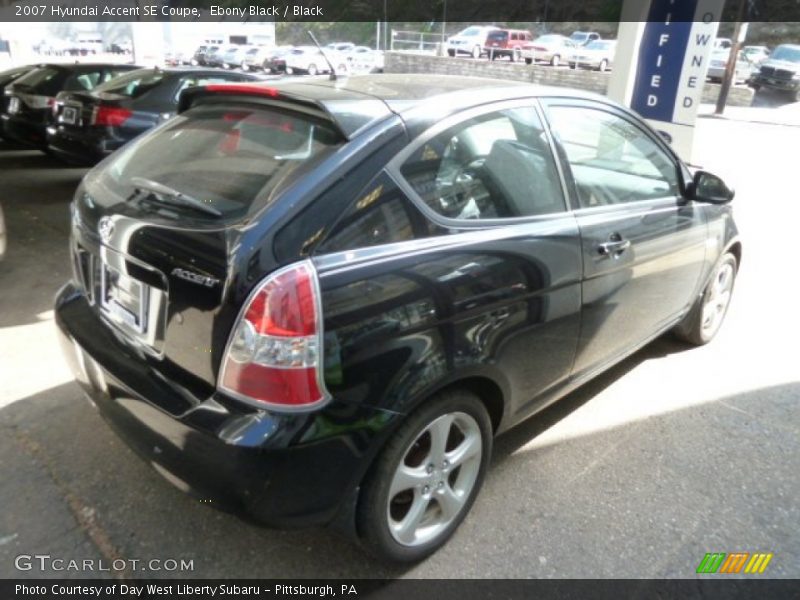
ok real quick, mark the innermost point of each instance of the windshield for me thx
(786, 53)
(578, 36)
(469, 31)
(229, 158)
(133, 84)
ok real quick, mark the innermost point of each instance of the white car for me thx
(309, 59)
(552, 48)
(719, 62)
(597, 55)
(341, 46)
(254, 57)
(363, 59)
(471, 41)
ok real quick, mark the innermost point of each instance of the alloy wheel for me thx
(434, 479)
(718, 299)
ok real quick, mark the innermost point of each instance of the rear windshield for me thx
(44, 80)
(133, 84)
(229, 158)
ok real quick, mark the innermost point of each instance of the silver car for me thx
(596, 55)
(552, 48)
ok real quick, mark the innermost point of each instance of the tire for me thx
(697, 328)
(382, 511)
(528, 61)
(476, 52)
(312, 69)
(451, 53)
(603, 66)
(555, 61)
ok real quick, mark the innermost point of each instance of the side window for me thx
(379, 216)
(612, 160)
(86, 80)
(494, 166)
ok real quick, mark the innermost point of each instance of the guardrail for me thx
(417, 42)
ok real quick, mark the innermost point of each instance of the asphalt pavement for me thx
(674, 453)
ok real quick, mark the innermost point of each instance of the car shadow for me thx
(139, 515)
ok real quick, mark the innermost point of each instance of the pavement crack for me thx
(85, 515)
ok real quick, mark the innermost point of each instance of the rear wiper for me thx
(167, 195)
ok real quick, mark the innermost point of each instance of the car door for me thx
(469, 264)
(643, 244)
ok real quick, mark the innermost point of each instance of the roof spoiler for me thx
(259, 93)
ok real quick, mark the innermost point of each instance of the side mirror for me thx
(707, 187)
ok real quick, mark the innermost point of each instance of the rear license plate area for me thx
(124, 299)
(69, 115)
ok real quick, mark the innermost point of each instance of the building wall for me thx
(593, 81)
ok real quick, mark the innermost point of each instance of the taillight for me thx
(273, 355)
(110, 115)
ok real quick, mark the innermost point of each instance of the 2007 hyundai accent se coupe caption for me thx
(318, 302)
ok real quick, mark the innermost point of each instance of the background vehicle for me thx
(598, 54)
(255, 56)
(213, 56)
(30, 98)
(91, 125)
(199, 57)
(363, 59)
(470, 41)
(276, 59)
(335, 297)
(309, 60)
(234, 56)
(755, 54)
(719, 62)
(344, 47)
(781, 71)
(584, 38)
(507, 42)
(552, 48)
(7, 78)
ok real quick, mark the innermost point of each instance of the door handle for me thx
(613, 247)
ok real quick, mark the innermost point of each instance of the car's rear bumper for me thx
(283, 470)
(24, 131)
(80, 147)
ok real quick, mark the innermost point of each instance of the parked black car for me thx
(7, 78)
(30, 99)
(781, 71)
(319, 302)
(88, 126)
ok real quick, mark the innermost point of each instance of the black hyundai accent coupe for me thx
(319, 302)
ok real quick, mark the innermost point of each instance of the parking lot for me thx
(672, 454)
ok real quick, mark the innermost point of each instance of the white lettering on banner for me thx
(695, 61)
(655, 81)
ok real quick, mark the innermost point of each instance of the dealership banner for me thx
(706, 587)
(364, 10)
